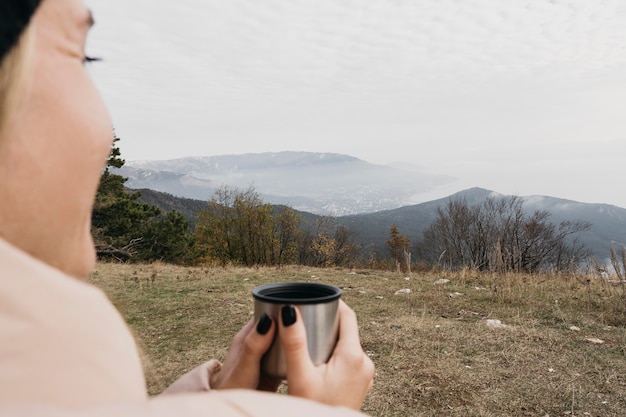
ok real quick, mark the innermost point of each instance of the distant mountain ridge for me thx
(321, 183)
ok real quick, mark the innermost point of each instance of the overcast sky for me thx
(518, 96)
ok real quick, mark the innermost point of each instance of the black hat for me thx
(14, 17)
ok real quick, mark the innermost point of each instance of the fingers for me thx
(292, 336)
(349, 350)
(241, 368)
(348, 330)
(258, 340)
(344, 380)
(241, 335)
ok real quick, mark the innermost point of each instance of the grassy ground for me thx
(562, 352)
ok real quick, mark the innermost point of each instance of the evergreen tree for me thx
(126, 229)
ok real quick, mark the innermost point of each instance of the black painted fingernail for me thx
(264, 324)
(288, 314)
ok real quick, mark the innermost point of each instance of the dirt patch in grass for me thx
(560, 347)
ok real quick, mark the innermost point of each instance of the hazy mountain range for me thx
(364, 197)
(321, 183)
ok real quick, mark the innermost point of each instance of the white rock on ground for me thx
(496, 324)
(403, 291)
(441, 281)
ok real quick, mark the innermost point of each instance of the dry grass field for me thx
(561, 349)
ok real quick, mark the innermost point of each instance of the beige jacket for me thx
(66, 351)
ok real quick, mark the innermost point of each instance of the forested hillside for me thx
(370, 231)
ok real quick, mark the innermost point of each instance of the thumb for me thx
(292, 335)
(257, 342)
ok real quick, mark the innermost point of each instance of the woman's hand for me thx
(347, 376)
(242, 366)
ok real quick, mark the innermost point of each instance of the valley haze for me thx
(321, 183)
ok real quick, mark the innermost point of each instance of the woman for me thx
(64, 349)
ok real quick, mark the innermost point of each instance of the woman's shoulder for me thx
(63, 340)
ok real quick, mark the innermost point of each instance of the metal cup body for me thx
(318, 305)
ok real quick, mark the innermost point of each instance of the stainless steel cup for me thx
(318, 305)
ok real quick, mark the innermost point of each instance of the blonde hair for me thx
(13, 70)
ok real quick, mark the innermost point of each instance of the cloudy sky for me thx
(518, 96)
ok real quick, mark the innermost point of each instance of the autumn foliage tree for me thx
(398, 245)
(326, 244)
(238, 227)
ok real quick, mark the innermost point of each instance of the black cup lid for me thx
(296, 293)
